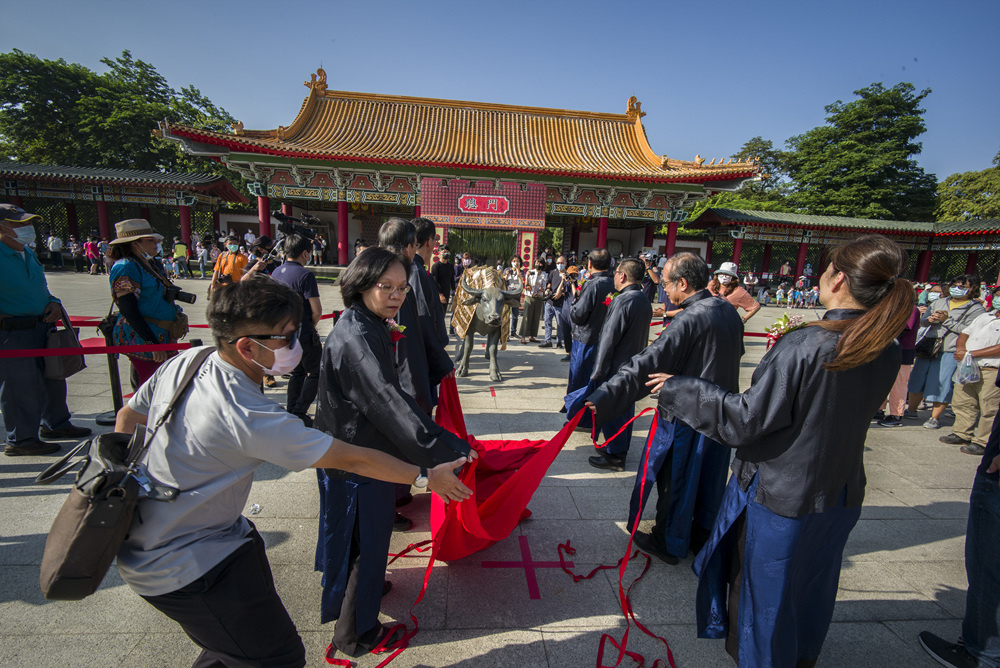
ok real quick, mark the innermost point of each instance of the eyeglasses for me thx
(392, 289)
(289, 338)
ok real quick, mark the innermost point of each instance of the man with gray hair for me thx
(704, 340)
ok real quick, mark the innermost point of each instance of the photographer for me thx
(267, 258)
(304, 380)
(144, 296)
(230, 265)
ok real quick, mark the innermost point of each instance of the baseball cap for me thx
(15, 214)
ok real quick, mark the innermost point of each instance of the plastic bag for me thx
(968, 371)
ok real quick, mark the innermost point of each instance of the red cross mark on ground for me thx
(528, 565)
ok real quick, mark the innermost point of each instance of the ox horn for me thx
(473, 292)
(514, 293)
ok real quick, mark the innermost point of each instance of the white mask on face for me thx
(23, 235)
(725, 279)
(285, 359)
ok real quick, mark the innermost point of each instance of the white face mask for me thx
(725, 279)
(285, 359)
(24, 235)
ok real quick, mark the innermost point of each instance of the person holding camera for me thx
(230, 266)
(144, 296)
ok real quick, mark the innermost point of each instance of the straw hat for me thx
(133, 229)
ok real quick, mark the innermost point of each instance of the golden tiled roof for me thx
(388, 129)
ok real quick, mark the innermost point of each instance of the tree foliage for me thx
(861, 163)
(970, 195)
(54, 112)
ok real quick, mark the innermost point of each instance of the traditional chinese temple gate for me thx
(594, 173)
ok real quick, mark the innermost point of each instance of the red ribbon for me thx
(91, 350)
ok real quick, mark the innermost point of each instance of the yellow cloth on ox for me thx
(478, 278)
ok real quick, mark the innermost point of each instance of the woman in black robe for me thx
(768, 576)
(361, 402)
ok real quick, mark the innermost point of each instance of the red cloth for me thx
(503, 480)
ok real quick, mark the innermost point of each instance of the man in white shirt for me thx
(55, 245)
(196, 558)
(250, 237)
(977, 401)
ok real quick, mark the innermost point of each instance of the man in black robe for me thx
(587, 314)
(704, 340)
(625, 334)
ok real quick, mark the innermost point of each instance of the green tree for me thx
(970, 194)
(63, 113)
(861, 163)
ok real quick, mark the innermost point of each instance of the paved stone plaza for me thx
(903, 567)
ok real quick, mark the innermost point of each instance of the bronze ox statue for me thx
(483, 307)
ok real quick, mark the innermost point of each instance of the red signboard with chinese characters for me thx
(486, 204)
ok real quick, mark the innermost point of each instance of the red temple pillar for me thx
(264, 215)
(71, 223)
(216, 223)
(144, 212)
(602, 232)
(648, 241)
(342, 258)
(185, 215)
(286, 209)
(800, 261)
(923, 265)
(708, 251)
(671, 239)
(104, 221)
(737, 251)
(766, 262)
(18, 201)
(970, 264)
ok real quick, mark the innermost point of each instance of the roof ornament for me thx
(634, 111)
(318, 82)
(570, 194)
(644, 199)
(699, 161)
(237, 128)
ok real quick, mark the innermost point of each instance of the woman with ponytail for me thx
(768, 575)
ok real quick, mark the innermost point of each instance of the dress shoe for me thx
(973, 449)
(608, 462)
(31, 449)
(564, 358)
(69, 431)
(647, 544)
(545, 345)
(402, 523)
(953, 439)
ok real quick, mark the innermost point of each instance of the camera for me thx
(172, 293)
(288, 226)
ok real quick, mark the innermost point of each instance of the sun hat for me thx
(728, 268)
(133, 229)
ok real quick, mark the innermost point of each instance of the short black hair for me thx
(235, 308)
(364, 272)
(296, 245)
(600, 259)
(691, 268)
(397, 232)
(632, 268)
(424, 229)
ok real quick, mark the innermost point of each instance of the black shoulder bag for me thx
(94, 521)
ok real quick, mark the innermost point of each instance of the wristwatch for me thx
(421, 481)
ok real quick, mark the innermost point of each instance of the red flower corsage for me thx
(395, 330)
(607, 300)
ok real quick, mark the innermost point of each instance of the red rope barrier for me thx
(89, 349)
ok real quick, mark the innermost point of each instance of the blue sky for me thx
(710, 75)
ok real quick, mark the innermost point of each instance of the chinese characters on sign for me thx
(483, 204)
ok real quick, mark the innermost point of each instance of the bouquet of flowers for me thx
(782, 326)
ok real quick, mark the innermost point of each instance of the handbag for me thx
(107, 326)
(95, 519)
(61, 367)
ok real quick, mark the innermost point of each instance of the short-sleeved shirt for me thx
(742, 299)
(231, 264)
(25, 291)
(209, 453)
(180, 251)
(303, 283)
(984, 332)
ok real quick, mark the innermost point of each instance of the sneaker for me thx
(973, 449)
(953, 439)
(910, 415)
(646, 543)
(31, 449)
(931, 424)
(947, 653)
(891, 421)
(879, 416)
(547, 344)
(69, 431)
(607, 462)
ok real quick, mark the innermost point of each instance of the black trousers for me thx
(234, 614)
(303, 382)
